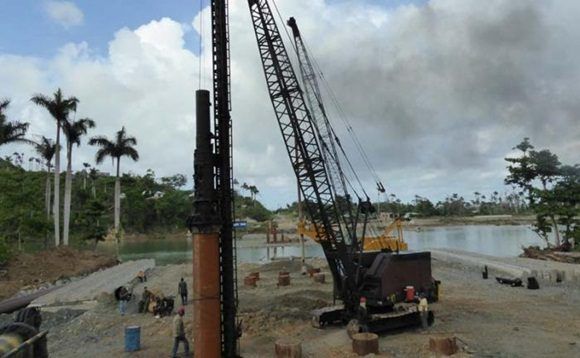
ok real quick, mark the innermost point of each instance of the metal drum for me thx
(132, 338)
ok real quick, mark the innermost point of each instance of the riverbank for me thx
(442, 221)
(26, 272)
(492, 319)
(287, 224)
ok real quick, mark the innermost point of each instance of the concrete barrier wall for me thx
(522, 268)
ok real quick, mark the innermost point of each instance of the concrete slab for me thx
(90, 287)
(515, 267)
(495, 267)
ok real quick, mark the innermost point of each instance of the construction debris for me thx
(534, 252)
(508, 281)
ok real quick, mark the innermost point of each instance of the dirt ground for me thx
(30, 271)
(490, 319)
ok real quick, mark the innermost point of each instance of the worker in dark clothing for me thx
(182, 290)
(123, 296)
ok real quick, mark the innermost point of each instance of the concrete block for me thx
(555, 275)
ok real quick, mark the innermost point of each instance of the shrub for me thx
(4, 251)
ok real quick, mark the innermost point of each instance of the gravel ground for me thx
(492, 320)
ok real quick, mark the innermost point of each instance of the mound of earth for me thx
(30, 271)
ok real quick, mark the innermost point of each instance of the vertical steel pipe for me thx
(205, 229)
(206, 296)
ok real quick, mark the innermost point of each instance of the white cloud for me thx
(65, 13)
(438, 93)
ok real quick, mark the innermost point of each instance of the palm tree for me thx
(253, 192)
(59, 108)
(73, 131)
(245, 187)
(46, 149)
(121, 146)
(94, 174)
(11, 132)
(85, 174)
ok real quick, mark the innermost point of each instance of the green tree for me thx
(245, 187)
(566, 195)
(176, 181)
(59, 108)
(521, 171)
(21, 206)
(92, 218)
(5, 251)
(121, 146)
(546, 168)
(73, 131)
(11, 132)
(553, 205)
(424, 207)
(253, 192)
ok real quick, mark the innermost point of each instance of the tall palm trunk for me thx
(47, 193)
(67, 194)
(117, 197)
(56, 206)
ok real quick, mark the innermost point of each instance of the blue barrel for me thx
(132, 338)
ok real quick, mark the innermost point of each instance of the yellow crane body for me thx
(390, 240)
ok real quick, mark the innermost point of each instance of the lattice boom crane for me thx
(356, 274)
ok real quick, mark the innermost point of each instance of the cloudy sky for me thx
(438, 91)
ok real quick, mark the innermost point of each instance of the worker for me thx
(179, 332)
(123, 296)
(145, 299)
(424, 311)
(182, 290)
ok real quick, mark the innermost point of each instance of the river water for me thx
(484, 239)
